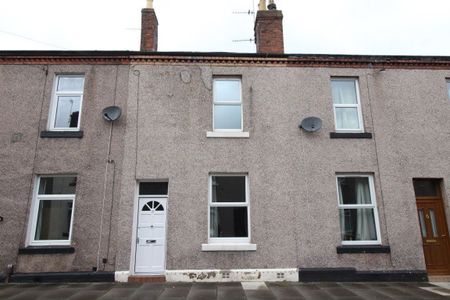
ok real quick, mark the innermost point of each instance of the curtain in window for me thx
(365, 229)
(342, 218)
(344, 92)
(213, 215)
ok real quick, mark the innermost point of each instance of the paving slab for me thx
(224, 291)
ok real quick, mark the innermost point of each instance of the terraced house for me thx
(198, 170)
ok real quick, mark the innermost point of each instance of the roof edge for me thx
(289, 59)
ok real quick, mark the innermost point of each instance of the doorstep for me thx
(147, 278)
(439, 278)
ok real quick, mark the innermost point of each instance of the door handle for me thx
(150, 241)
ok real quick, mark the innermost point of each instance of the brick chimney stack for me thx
(269, 29)
(149, 28)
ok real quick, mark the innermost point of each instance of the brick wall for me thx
(269, 31)
(149, 30)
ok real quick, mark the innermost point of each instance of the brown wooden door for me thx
(433, 227)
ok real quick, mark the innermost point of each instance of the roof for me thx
(223, 58)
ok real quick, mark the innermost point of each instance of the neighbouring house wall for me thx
(292, 174)
(26, 95)
(412, 124)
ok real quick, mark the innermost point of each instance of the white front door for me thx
(151, 236)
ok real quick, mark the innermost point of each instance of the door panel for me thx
(434, 231)
(151, 236)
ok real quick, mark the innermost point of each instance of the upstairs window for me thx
(52, 213)
(448, 88)
(66, 103)
(227, 110)
(346, 104)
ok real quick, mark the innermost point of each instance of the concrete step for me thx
(147, 278)
(439, 278)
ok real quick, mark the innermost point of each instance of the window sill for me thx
(350, 135)
(228, 247)
(363, 249)
(62, 134)
(47, 250)
(215, 134)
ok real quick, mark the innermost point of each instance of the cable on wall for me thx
(105, 181)
(111, 208)
(30, 192)
(377, 159)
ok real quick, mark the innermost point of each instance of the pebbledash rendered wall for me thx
(26, 92)
(167, 110)
(292, 174)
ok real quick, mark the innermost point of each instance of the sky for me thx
(383, 27)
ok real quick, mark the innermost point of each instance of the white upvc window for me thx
(229, 213)
(67, 99)
(52, 211)
(358, 214)
(346, 105)
(227, 104)
(448, 88)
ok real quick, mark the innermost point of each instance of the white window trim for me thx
(229, 244)
(350, 206)
(35, 211)
(357, 106)
(225, 103)
(235, 135)
(447, 80)
(54, 103)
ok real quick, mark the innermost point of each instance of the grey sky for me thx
(397, 27)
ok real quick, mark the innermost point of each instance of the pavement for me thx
(225, 291)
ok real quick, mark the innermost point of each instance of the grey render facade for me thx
(206, 175)
(162, 135)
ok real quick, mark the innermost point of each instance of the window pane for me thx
(67, 112)
(57, 185)
(358, 224)
(228, 189)
(228, 222)
(448, 88)
(227, 117)
(426, 188)
(54, 220)
(354, 190)
(433, 223)
(347, 118)
(70, 83)
(344, 91)
(227, 90)
(423, 228)
(153, 188)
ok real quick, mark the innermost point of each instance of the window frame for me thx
(31, 241)
(373, 205)
(54, 102)
(447, 80)
(219, 240)
(357, 105)
(227, 103)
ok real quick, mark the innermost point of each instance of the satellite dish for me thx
(111, 113)
(311, 124)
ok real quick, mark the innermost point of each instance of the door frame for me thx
(431, 199)
(135, 224)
